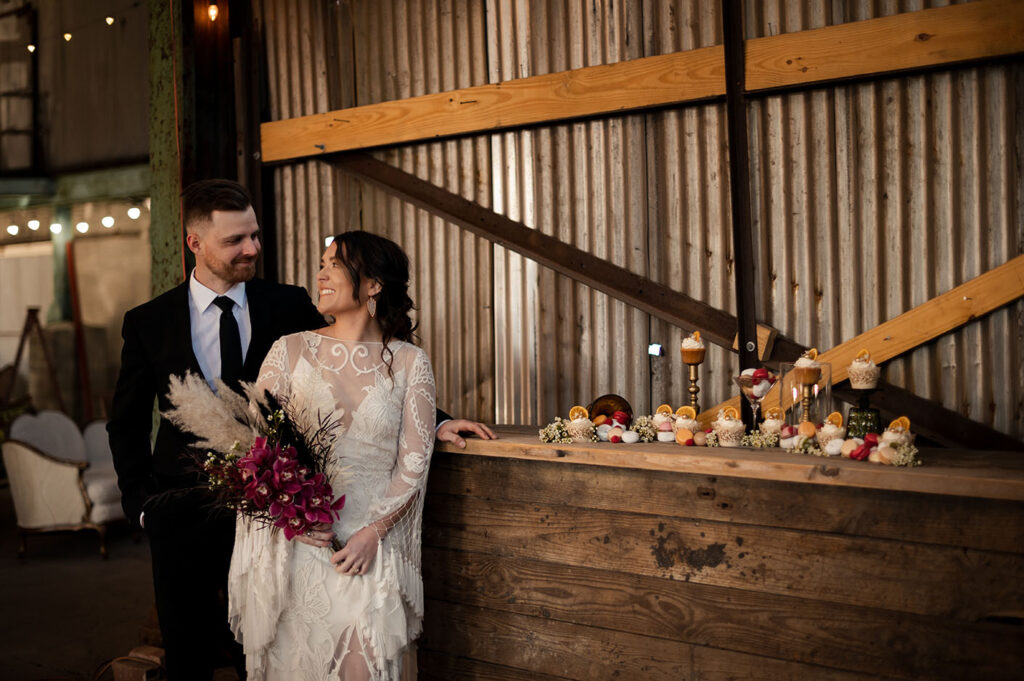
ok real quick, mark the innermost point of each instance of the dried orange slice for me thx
(696, 335)
(807, 429)
(902, 423)
(684, 435)
(731, 413)
(664, 409)
(686, 412)
(773, 413)
(863, 354)
(578, 412)
(812, 353)
(836, 419)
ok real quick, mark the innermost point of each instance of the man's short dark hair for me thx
(200, 199)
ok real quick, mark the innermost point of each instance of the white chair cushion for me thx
(97, 445)
(105, 513)
(52, 433)
(46, 493)
(101, 486)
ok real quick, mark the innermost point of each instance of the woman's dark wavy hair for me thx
(368, 256)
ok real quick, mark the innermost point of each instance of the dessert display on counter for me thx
(863, 372)
(894, 448)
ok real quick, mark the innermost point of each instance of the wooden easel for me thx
(32, 324)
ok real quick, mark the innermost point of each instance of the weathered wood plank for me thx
(925, 38)
(435, 666)
(954, 521)
(941, 314)
(987, 475)
(814, 632)
(591, 654)
(924, 579)
(609, 88)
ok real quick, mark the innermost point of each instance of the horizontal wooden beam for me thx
(655, 299)
(913, 40)
(924, 39)
(610, 88)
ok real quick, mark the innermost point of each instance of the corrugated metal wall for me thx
(868, 199)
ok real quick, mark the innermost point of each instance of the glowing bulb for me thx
(213, 11)
(33, 225)
(55, 228)
(110, 21)
(134, 213)
(31, 48)
(12, 230)
(67, 37)
(82, 227)
(107, 222)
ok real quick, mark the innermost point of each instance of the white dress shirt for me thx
(204, 317)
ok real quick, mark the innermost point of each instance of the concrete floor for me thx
(64, 611)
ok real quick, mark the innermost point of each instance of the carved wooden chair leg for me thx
(102, 530)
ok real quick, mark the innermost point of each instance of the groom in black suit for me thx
(221, 323)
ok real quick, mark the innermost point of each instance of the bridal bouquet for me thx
(279, 477)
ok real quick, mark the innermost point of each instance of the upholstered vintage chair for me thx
(61, 479)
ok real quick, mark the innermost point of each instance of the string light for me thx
(33, 225)
(82, 227)
(67, 37)
(12, 230)
(107, 222)
(110, 21)
(213, 11)
(134, 212)
(56, 227)
(31, 48)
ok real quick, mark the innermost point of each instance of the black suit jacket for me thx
(158, 344)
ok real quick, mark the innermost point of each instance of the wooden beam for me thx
(610, 88)
(926, 38)
(653, 298)
(984, 29)
(928, 321)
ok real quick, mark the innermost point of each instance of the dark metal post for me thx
(739, 188)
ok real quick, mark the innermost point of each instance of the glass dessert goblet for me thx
(755, 384)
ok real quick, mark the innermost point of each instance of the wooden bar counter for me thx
(654, 561)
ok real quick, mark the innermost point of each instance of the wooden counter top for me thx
(988, 475)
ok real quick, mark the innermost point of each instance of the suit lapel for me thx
(259, 324)
(183, 323)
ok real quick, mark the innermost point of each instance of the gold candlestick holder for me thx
(694, 388)
(805, 401)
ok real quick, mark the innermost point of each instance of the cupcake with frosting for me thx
(773, 421)
(863, 372)
(807, 369)
(692, 349)
(898, 433)
(580, 427)
(828, 432)
(728, 427)
(686, 419)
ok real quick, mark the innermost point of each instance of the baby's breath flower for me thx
(644, 427)
(556, 432)
(756, 438)
(712, 439)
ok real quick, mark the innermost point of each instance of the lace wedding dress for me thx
(294, 615)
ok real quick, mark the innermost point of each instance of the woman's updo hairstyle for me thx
(368, 256)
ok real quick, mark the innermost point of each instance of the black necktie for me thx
(230, 342)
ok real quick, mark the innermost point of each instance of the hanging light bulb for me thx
(12, 230)
(33, 225)
(31, 48)
(134, 212)
(213, 11)
(56, 227)
(67, 37)
(110, 21)
(107, 222)
(82, 227)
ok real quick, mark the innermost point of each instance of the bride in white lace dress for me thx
(300, 612)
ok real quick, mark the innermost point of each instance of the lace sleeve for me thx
(275, 373)
(404, 497)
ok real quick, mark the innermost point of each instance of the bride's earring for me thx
(371, 306)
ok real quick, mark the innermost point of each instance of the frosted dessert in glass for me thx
(863, 372)
(692, 349)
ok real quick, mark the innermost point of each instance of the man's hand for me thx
(450, 431)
